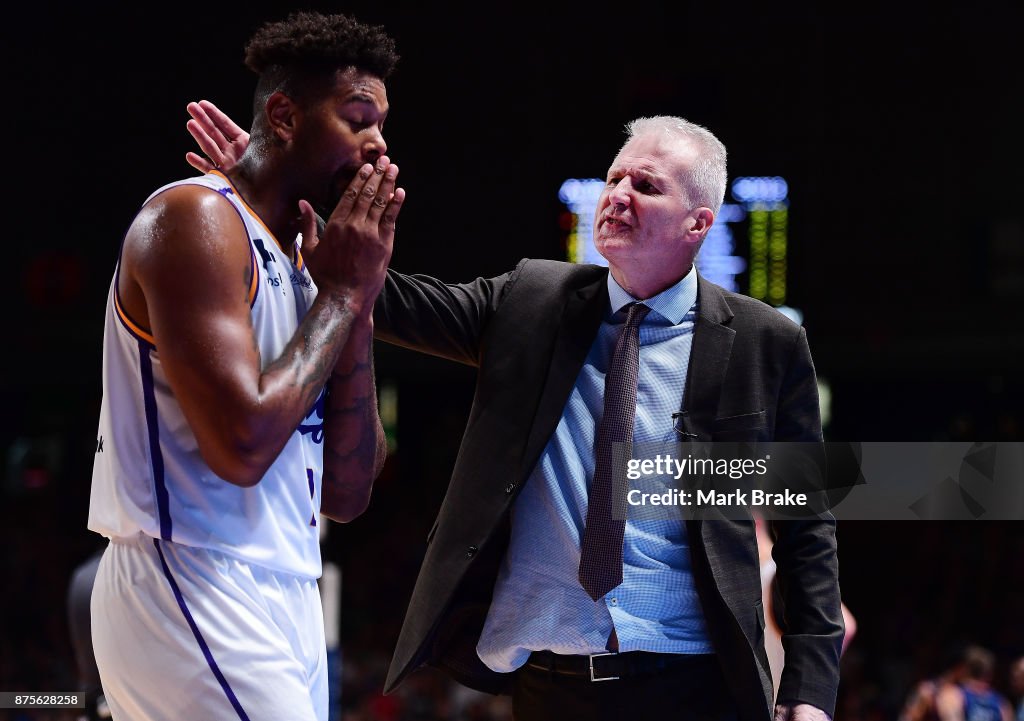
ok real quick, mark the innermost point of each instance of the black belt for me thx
(611, 666)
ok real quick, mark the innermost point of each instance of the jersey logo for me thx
(99, 444)
(267, 257)
(315, 429)
(299, 279)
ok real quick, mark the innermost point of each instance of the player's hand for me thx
(799, 712)
(217, 136)
(308, 228)
(351, 256)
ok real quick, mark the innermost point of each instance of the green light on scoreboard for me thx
(766, 202)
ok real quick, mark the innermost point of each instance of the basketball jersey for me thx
(981, 705)
(148, 476)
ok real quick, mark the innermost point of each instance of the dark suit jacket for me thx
(528, 332)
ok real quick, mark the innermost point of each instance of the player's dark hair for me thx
(980, 663)
(298, 55)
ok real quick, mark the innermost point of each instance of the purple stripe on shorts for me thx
(199, 637)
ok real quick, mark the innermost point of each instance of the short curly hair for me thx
(295, 54)
(313, 42)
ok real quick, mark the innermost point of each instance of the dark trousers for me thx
(693, 691)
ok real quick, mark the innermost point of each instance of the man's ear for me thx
(699, 222)
(281, 113)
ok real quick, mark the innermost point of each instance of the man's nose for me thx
(622, 194)
(374, 146)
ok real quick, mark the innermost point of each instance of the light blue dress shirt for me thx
(538, 602)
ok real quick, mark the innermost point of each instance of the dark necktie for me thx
(601, 547)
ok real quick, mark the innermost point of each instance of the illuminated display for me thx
(580, 197)
(766, 202)
(717, 260)
(761, 210)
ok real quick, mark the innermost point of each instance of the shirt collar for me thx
(672, 304)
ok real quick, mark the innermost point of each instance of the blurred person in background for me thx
(973, 698)
(1017, 686)
(921, 703)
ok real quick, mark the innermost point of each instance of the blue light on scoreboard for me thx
(717, 260)
(581, 197)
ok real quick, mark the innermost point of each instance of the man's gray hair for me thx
(706, 180)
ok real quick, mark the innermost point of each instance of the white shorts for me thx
(189, 633)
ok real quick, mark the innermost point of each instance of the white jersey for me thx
(148, 475)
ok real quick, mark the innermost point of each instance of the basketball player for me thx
(239, 396)
(1017, 686)
(973, 698)
(921, 702)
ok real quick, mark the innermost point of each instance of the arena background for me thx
(897, 128)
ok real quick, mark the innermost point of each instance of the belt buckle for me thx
(592, 656)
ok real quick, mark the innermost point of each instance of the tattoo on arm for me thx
(354, 447)
(311, 354)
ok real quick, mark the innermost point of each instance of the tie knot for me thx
(637, 312)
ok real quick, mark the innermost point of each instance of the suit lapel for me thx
(723, 550)
(709, 360)
(581, 317)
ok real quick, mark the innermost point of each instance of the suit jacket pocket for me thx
(742, 427)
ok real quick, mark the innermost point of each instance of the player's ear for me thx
(281, 116)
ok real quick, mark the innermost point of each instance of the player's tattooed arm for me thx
(348, 261)
(171, 282)
(354, 448)
(354, 443)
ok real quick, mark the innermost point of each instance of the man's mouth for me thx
(339, 183)
(344, 176)
(614, 222)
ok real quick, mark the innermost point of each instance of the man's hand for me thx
(353, 253)
(350, 258)
(217, 136)
(799, 712)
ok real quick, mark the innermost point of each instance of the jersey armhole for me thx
(137, 329)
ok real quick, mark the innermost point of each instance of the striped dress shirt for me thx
(538, 602)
